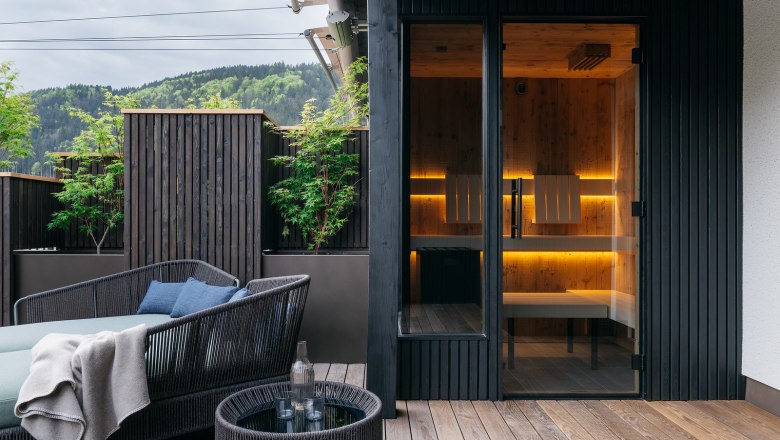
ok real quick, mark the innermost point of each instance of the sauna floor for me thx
(442, 318)
(547, 368)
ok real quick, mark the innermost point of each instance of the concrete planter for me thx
(335, 321)
(38, 272)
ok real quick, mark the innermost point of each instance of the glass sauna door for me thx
(570, 242)
(443, 279)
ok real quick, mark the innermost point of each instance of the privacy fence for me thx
(196, 185)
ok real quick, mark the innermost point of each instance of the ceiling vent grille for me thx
(588, 56)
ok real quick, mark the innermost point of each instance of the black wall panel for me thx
(691, 138)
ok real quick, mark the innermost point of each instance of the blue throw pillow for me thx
(160, 298)
(196, 296)
(240, 294)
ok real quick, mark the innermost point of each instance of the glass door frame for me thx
(494, 80)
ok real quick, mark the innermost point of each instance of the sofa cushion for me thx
(160, 297)
(240, 294)
(23, 337)
(197, 295)
(14, 368)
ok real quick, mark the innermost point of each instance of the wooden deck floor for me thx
(566, 419)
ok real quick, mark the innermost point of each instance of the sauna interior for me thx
(569, 145)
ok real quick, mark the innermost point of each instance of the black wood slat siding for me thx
(192, 188)
(691, 238)
(27, 206)
(354, 235)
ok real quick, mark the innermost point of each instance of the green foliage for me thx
(17, 118)
(280, 89)
(216, 101)
(318, 195)
(95, 199)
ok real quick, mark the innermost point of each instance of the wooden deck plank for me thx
(611, 421)
(444, 420)
(399, 428)
(592, 424)
(659, 420)
(745, 408)
(641, 425)
(337, 373)
(744, 424)
(704, 419)
(321, 371)
(565, 421)
(517, 422)
(686, 421)
(493, 421)
(468, 420)
(420, 420)
(543, 424)
(356, 375)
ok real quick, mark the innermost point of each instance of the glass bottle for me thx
(301, 378)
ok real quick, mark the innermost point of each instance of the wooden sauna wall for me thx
(625, 177)
(445, 138)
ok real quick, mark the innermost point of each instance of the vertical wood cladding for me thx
(192, 189)
(27, 206)
(691, 163)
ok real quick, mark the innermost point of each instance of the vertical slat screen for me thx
(27, 206)
(691, 109)
(193, 186)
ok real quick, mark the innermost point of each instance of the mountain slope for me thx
(278, 88)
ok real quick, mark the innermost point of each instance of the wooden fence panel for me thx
(27, 206)
(192, 187)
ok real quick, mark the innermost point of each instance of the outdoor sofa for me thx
(192, 362)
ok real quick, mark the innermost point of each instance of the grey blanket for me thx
(83, 386)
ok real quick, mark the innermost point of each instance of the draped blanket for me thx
(83, 386)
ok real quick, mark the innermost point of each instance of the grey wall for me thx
(761, 168)
(335, 321)
(34, 273)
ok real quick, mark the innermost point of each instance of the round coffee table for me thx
(351, 413)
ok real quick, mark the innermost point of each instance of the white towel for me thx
(84, 386)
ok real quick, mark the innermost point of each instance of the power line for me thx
(161, 14)
(152, 37)
(56, 49)
(140, 39)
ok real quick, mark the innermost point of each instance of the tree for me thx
(95, 199)
(317, 196)
(17, 118)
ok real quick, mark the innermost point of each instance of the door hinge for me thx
(637, 55)
(638, 209)
(638, 362)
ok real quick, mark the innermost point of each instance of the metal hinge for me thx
(638, 209)
(638, 362)
(637, 55)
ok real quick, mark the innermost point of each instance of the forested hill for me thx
(279, 89)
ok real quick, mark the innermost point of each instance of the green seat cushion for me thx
(14, 368)
(23, 337)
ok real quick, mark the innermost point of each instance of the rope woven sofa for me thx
(195, 361)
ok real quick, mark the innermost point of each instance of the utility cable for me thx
(161, 14)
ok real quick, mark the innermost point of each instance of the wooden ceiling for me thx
(532, 50)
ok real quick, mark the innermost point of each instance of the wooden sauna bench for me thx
(572, 304)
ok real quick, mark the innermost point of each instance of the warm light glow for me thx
(567, 257)
(432, 176)
(428, 196)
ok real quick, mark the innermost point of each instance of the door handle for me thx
(517, 209)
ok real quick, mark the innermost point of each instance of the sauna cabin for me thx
(569, 177)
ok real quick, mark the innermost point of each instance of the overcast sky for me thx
(39, 69)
